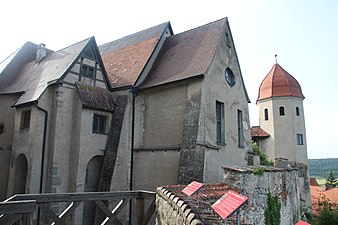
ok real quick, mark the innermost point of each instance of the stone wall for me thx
(172, 210)
(281, 182)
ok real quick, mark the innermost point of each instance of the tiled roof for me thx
(95, 97)
(256, 131)
(187, 54)
(318, 193)
(34, 78)
(279, 83)
(199, 203)
(125, 58)
(313, 182)
(13, 63)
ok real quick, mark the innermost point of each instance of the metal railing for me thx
(45, 208)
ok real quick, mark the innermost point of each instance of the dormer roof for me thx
(279, 83)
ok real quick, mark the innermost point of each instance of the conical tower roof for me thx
(279, 83)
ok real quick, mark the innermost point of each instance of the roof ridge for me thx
(86, 39)
(204, 25)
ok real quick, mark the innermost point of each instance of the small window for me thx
(99, 124)
(300, 139)
(220, 139)
(87, 71)
(2, 128)
(227, 36)
(297, 111)
(266, 114)
(25, 119)
(240, 129)
(281, 111)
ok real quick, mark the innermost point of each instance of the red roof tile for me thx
(187, 54)
(201, 201)
(125, 58)
(125, 65)
(256, 131)
(279, 83)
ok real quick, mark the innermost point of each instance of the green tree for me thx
(331, 181)
(265, 161)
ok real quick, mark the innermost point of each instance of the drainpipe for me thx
(42, 153)
(134, 92)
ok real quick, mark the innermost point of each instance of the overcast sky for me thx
(304, 34)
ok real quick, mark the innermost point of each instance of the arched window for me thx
(266, 114)
(21, 168)
(297, 111)
(281, 111)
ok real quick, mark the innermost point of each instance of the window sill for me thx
(97, 132)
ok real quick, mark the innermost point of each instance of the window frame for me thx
(266, 114)
(2, 128)
(25, 119)
(99, 125)
(220, 123)
(281, 111)
(297, 111)
(300, 139)
(240, 128)
(85, 71)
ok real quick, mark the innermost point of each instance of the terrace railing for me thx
(41, 208)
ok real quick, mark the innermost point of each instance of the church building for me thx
(150, 109)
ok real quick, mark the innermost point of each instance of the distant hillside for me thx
(321, 167)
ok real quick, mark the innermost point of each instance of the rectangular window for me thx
(300, 139)
(297, 111)
(87, 71)
(25, 119)
(99, 124)
(2, 128)
(220, 123)
(240, 129)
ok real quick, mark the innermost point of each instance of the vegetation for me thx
(331, 181)
(259, 171)
(265, 161)
(272, 212)
(321, 167)
(327, 212)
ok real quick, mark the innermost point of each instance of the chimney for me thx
(41, 53)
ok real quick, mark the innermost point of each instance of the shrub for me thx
(265, 161)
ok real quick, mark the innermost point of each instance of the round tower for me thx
(281, 114)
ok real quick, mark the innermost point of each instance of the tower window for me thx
(266, 114)
(300, 139)
(281, 111)
(240, 129)
(220, 123)
(297, 111)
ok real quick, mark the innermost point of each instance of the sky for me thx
(303, 33)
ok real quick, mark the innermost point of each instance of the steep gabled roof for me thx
(13, 63)
(33, 78)
(187, 54)
(125, 58)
